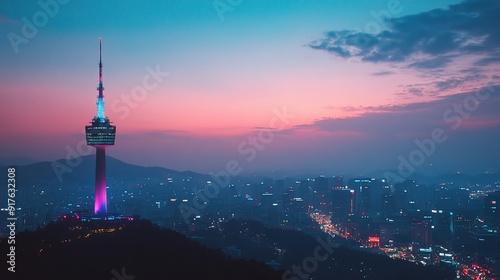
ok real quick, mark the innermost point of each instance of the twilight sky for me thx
(322, 86)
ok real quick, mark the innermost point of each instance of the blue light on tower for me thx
(100, 109)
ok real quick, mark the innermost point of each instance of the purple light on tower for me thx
(100, 134)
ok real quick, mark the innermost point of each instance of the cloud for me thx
(364, 109)
(383, 73)
(456, 82)
(427, 40)
(462, 82)
(376, 139)
(488, 60)
(436, 62)
(415, 91)
(419, 117)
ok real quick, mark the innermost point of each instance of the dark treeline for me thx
(143, 249)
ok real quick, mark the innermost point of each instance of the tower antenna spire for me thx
(100, 88)
(100, 98)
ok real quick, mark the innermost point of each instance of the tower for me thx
(100, 134)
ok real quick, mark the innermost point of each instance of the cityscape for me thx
(349, 154)
(453, 223)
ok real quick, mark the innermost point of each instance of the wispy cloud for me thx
(365, 109)
(383, 73)
(422, 116)
(460, 82)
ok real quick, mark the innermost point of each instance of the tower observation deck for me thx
(100, 134)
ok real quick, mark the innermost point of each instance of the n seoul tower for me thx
(100, 134)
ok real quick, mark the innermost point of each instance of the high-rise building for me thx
(342, 203)
(443, 227)
(491, 212)
(363, 190)
(421, 234)
(405, 195)
(321, 194)
(100, 134)
(388, 204)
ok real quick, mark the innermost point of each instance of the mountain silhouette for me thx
(109, 249)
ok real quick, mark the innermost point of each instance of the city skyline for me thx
(298, 87)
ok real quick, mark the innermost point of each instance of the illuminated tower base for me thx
(100, 135)
(101, 200)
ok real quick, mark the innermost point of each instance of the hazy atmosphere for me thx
(288, 86)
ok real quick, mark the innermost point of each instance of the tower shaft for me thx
(101, 200)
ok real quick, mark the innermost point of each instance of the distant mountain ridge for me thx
(82, 169)
(9, 161)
